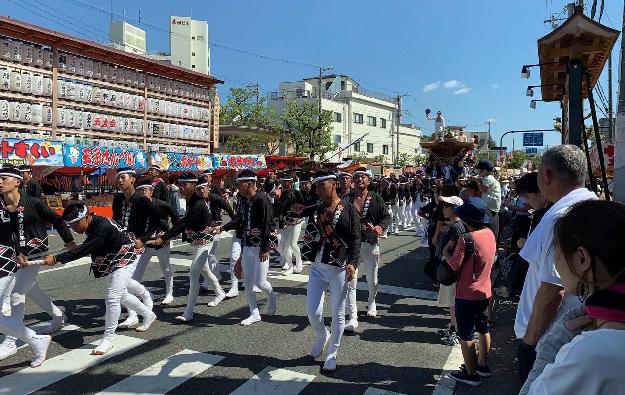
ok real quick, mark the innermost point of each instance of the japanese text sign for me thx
(75, 155)
(31, 152)
(180, 162)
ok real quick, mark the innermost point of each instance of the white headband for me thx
(243, 179)
(368, 173)
(84, 212)
(202, 185)
(286, 179)
(274, 188)
(330, 177)
(19, 177)
(144, 186)
(343, 173)
(193, 180)
(119, 173)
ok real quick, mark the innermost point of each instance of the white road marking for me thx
(29, 380)
(41, 326)
(445, 384)
(375, 391)
(272, 381)
(165, 375)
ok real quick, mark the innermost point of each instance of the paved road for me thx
(397, 352)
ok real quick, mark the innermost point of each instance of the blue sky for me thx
(393, 47)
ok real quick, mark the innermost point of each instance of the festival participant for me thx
(385, 192)
(29, 216)
(401, 201)
(583, 351)
(167, 217)
(197, 228)
(256, 244)
(421, 199)
(208, 178)
(32, 187)
(161, 191)
(439, 123)
(345, 183)
(238, 225)
(561, 179)
(136, 215)
(11, 259)
(490, 192)
(290, 227)
(336, 246)
(114, 256)
(374, 219)
(306, 187)
(48, 187)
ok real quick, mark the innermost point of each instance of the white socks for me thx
(320, 345)
(39, 344)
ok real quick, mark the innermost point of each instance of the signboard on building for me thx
(181, 162)
(604, 128)
(31, 152)
(108, 158)
(238, 162)
(534, 139)
(216, 109)
(531, 151)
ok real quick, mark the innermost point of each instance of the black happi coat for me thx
(165, 212)
(33, 189)
(160, 191)
(196, 224)
(286, 217)
(386, 195)
(29, 222)
(257, 216)
(109, 246)
(237, 221)
(136, 216)
(339, 236)
(374, 212)
(216, 204)
(9, 245)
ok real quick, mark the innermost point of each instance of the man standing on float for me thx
(439, 123)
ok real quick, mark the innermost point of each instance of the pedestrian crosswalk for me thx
(162, 377)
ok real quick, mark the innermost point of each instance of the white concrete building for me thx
(188, 43)
(127, 37)
(355, 112)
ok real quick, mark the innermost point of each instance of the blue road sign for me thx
(531, 151)
(533, 139)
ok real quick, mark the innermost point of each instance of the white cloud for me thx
(432, 86)
(462, 91)
(495, 86)
(453, 84)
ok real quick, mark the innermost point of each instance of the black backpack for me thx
(445, 274)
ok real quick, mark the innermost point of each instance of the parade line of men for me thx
(345, 216)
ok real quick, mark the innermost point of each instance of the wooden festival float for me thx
(450, 148)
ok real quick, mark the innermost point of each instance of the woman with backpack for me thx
(473, 287)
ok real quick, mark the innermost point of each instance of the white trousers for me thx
(117, 294)
(254, 273)
(26, 284)
(370, 256)
(323, 277)
(163, 255)
(235, 254)
(212, 257)
(394, 217)
(390, 225)
(402, 215)
(10, 326)
(200, 265)
(288, 240)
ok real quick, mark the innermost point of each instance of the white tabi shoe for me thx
(55, 325)
(351, 325)
(320, 345)
(169, 299)
(220, 296)
(330, 365)
(287, 271)
(184, 318)
(371, 310)
(298, 269)
(102, 348)
(131, 322)
(147, 321)
(232, 293)
(251, 320)
(39, 344)
(7, 348)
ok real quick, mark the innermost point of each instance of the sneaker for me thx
(250, 320)
(6, 310)
(55, 326)
(102, 348)
(396, 232)
(39, 344)
(483, 371)
(7, 348)
(320, 345)
(452, 340)
(147, 321)
(272, 307)
(232, 293)
(184, 318)
(220, 296)
(298, 268)
(330, 365)
(169, 299)
(131, 322)
(464, 377)
(371, 310)
(351, 325)
(384, 237)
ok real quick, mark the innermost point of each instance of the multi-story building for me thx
(356, 112)
(129, 38)
(188, 43)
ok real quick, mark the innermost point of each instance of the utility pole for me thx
(488, 139)
(321, 70)
(399, 123)
(256, 89)
(610, 101)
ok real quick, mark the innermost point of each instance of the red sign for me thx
(179, 22)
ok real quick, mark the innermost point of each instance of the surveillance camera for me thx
(525, 72)
(533, 104)
(529, 92)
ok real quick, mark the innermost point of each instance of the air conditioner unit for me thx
(304, 94)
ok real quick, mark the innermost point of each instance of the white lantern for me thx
(27, 54)
(47, 115)
(128, 101)
(141, 103)
(38, 56)
(135, 78)
(150, 82)
(37, 85)
(16, 81)
(25, 113)
(80, 120)
(60, 116)
(113, 73)
(61, 89)
(96, 123)
(135, 102)
(70, 92)
(71, 64)
(112, 123)
(127, 125)
(80, 65)
(105, 97)
(4, 110)
(151, 105)
(121, 99)
(169, 111)
(80, 92)
(47, 86)
(97, 70)
(36, 113)
(204, 94)
(134, 126)
(70, 120)
(113, 98)
(170, 87)
(87, 119)
(141, 80)
(16, 51)
(106, 70)
(5, 79)
(128, 79)
(48, 58)
(89, 68)
(5, 49)
(97, 95)
(119, 126)
(162, 107)
(175, 86)
(88, 93)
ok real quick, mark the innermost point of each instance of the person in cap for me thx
(505, 187)
(29, 216)
(208, 178)
(385, 192)
(344, 183)
(197, 228)
(256, 243)
(374, 218)
(11, 258)
(216, 204)
(334, 249)
(394, 191)
(137, 216)
(290, 227)
(307, 190)
(439, 123)
(32, 187)
(161, 191)
(113, 256)
(473, 288)
(167, 217)
(491, 192)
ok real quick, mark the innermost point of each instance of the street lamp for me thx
(525, 70)
(530, 91)
(533, 103)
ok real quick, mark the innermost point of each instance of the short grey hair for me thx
(569, 164)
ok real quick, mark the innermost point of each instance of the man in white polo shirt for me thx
(491, 193)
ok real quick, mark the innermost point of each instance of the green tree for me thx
(536, 162)
(493, 158)
(590, 133)
(244, 108)
(404, 159)
(518, 157)
(241, 144)
(557, 124)
(307, 130)
(379, 159)
(420, 159)
(360, 157)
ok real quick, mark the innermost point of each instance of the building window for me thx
(357, 147)
(193, 38)
(336, 138)
(383, 123)
(371, 121)
(192, 66)
(369, 147)
(192, 53)
(358, 118)
(385, 149)
(337, 117)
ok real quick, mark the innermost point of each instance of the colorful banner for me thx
(181, 162)
(238, 162)
(31, 152)
(108, 158)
